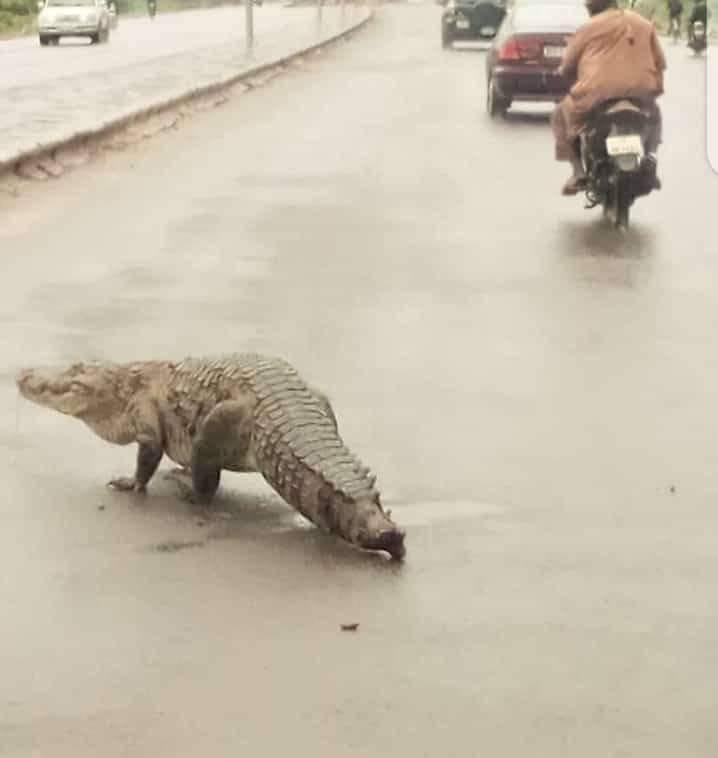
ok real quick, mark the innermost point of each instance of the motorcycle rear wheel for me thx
(617, 204)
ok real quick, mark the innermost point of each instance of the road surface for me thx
(89, 87)
(534, 391)
(138, 39)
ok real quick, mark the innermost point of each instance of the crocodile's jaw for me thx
(81, 391)
(54, 391)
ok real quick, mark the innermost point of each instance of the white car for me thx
(73, 18)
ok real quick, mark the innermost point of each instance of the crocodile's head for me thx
(84, 390)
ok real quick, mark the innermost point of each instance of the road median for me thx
(40, 121)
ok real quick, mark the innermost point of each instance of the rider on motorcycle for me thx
(699, 13)
(615, 55)
(675, 11)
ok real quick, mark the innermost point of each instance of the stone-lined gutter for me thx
(135, 114)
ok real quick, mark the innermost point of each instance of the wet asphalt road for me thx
(137, 39)
(527, 384)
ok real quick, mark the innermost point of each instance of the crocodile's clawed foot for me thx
(202, 512)
(182, 478)
(127, 484)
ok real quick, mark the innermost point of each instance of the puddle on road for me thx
(421, 513)
(174, 546)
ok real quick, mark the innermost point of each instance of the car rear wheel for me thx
(44, 41)
(446, 38)
(495, 104)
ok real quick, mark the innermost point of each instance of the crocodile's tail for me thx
(299, 452)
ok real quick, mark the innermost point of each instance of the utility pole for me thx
(249, 23)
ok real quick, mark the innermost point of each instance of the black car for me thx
(471, 20)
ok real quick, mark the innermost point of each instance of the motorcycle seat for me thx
(622, 106)
(627, 111)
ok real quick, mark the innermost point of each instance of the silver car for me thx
(73, 18)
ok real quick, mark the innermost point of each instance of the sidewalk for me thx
(44, 116)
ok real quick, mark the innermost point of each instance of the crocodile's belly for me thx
(178, 447)
(178, 444)
(245, 462)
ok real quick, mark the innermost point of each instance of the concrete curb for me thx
(146, 111)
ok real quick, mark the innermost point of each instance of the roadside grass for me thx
(18, 18)
(657, 11)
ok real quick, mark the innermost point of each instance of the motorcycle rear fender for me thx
(627, 164)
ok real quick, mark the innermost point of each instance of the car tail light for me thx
(520, 49)
(510, 51)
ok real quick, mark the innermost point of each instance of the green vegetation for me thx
(140, 6)
(657, 10)
(19, 17)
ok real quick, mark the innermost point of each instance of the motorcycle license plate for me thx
(462, 23)
(553, 51)
(624, 144)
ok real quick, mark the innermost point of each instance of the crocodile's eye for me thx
(78, 387)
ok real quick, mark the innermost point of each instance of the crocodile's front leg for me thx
(223, 438)
(150, 451)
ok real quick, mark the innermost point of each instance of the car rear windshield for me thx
(554, 16)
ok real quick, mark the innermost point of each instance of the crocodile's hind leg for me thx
(224, 438)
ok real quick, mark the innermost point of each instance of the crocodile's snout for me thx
(27, 382)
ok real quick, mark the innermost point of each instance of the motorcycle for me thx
(697, 37)
(617, 164)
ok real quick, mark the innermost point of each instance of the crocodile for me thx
(241, 412)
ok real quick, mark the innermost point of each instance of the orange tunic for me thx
(616, 54)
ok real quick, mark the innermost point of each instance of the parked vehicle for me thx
(522, 64)
(471, 20)
(614, 153)
(152, 8)
(697, 37)
(73, 18)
